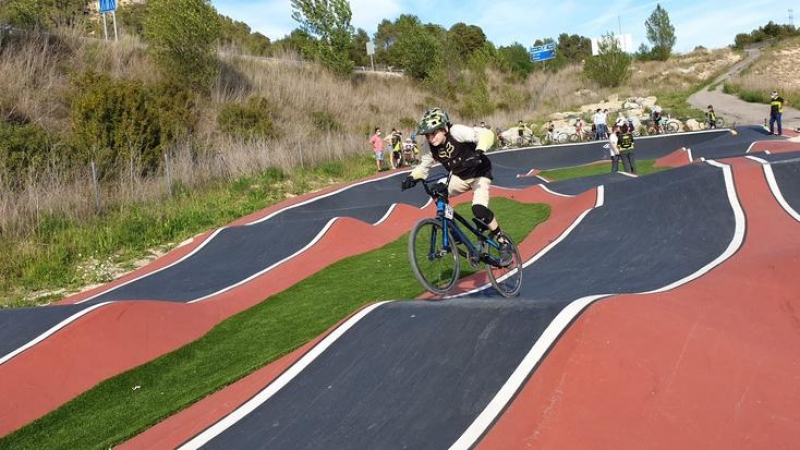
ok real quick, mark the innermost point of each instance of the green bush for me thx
(325, 121)
(610, 67)
(183, 37)
(116, 123)
(408, 123)
(26, 147)
(253, 120)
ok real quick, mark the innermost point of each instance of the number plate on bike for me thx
(448, 211)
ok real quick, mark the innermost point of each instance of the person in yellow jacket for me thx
(775, 113)
(626, 149)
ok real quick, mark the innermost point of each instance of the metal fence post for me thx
(96, 187)
(169, 174)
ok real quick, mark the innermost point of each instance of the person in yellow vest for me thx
(711, 118)
(626, 149)
(775, 113)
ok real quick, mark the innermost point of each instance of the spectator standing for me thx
(775, 113)
(613, 148)
(596, 118)
(604, 123)
(377, 148)
(395, 141)
(626, 149)
(711, 117)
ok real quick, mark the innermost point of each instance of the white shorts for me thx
(479, 186)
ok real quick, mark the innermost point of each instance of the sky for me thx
(710, 23)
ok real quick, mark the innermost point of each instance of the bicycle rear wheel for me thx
(506, 280)
(435, 268)
(672, 127)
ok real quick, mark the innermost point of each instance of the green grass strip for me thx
(642, 168)
(123, 406)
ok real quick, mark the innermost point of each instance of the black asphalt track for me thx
(786, 168)
(403, 371)
(238, 253)
(728, 144)
(418, 373)
(22, 325)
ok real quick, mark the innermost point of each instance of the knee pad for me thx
(483, 213)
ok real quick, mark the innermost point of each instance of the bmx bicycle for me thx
(436, 244)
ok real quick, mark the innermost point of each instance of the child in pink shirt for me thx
(377, 147)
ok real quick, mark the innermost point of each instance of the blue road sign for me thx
(108, 6)
(543, 52)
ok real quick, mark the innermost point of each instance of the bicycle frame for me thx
(450, 220)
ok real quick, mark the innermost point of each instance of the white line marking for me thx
(213, 235)
(316, 239)
(52, 331)
(550, 191)
(313, 199)
(280, 382)
(520, 374)
(601, 196)
(776, 191)
(570, 313)
(537, 256)
(188, 255)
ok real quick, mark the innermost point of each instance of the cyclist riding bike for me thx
(460, 149)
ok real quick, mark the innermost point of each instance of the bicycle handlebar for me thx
(431, 181)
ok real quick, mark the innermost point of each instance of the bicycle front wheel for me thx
(507, 280)
(436, 268)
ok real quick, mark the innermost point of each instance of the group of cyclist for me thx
(401, 152)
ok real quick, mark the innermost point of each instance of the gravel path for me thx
(732, 109)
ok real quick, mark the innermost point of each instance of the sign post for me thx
(108, 6)
(543, 52)
(371, 52)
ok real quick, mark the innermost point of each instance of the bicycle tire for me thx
(506, 280)
(720, 122)
(436, 269)
(671, 127)
(573, 137)
(562, 138)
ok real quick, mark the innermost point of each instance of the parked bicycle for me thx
(555, 137)
(668, 126)
(436, 244)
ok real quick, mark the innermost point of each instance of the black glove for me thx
(408, 183)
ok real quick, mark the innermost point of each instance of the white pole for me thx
(105, 27)
(114, 15)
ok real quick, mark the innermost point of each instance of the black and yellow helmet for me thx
(432, 120)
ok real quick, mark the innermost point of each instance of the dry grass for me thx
(37, 81)
(775, 70)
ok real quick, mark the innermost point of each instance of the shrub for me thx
(183, 38)
(24, 148)
(253, 120)
(123, 123)
(325, 121)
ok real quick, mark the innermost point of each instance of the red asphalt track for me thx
(123, 335)
(714, 363)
